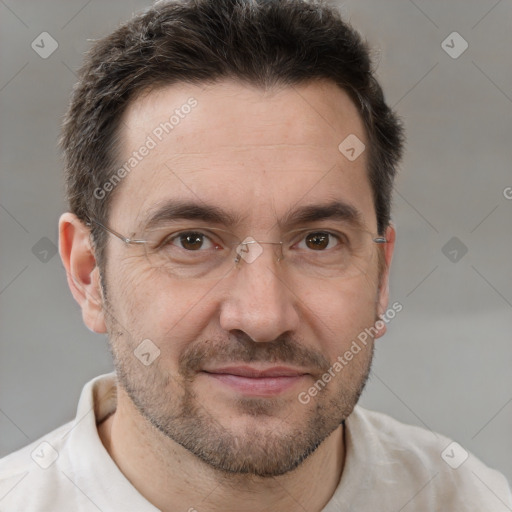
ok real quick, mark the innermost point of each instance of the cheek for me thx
(339, 312)
(152, 306)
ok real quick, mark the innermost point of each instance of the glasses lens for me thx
(213, 253)
(192, 253)
(331, 254)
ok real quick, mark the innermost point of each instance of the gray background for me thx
(445, 362)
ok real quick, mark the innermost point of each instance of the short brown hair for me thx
(260, 42)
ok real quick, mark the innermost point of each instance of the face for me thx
(229, 357)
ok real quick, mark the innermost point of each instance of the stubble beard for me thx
(265, 446)
(173, 409)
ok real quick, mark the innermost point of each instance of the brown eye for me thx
(318, 241)
(190, 241)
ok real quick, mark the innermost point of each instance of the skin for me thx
(183, 438)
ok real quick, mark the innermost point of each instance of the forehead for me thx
(248, 151)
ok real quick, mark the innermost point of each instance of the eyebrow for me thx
(189, 210)
(335, 210)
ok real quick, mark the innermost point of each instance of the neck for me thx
(173, 479)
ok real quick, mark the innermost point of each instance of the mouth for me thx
(253, 381)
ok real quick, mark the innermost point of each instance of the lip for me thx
(255, 373)
(253, 381)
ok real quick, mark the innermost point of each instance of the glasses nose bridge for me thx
(251, 249)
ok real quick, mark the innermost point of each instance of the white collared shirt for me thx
(389, 467)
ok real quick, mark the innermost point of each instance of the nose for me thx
(260, 302)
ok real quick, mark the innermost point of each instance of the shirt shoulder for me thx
(69, 468)
(425, 468)
(37, 467)
(42, 452)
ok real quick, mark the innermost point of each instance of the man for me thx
(229, 168)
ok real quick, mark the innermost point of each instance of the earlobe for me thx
(383, 298)
(82, 272)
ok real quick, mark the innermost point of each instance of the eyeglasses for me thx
(210, 253)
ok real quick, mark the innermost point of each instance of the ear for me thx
(83, 275)
(383, 297)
